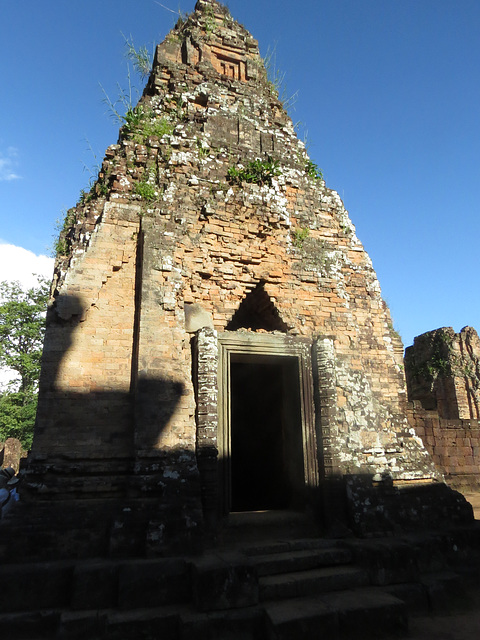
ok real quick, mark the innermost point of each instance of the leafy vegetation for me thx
(22, 328)
(159, 127)
(143, 122)
(62, 226)
(133, 119)
(393, 332)
(210, 22)
(313, 171)
(299, 236)
(182, 18)
(146, 191)
(438, 364)
(203, 151)
(140, 58)
(276, 80)
(123, 109)
(256, 172)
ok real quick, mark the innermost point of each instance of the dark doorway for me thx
(266, 465)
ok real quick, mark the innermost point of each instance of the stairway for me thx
(273, 587)
(302, 586)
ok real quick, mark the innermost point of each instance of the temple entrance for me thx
(266, 465)
(256, 435)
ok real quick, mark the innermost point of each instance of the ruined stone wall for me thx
(443, 377)
(443, 372)
(453, 444)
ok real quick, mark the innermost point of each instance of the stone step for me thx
(35, 586)
(290, 561)
(352, 614)
(253, 527)
(283, 546)
(239, 624)
(28, 625)
(161, 622)
(314, 581)
(445, 590)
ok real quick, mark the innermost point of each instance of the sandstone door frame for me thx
(212, 381)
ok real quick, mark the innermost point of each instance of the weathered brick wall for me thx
(85, 416)
(453, 444)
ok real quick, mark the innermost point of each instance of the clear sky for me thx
(388, 96)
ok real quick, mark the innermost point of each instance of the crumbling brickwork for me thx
(443, 378)
(209, 214)
(443, 372)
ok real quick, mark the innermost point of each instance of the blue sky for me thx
(388, 96)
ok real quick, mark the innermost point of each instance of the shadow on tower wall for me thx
(95, 463)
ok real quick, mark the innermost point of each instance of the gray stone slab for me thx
(352, 614)
(153, 583)
(294, 585)
(35, 586)
(38, 624)
(367, 613)
(224, 581)
(78, 625)
(300, 618)
(300, 560)
(242, 624)
(143, 623)
(95, 585)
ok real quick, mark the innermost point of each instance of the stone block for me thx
(153, 583)
(445, 591)
(224, 581)
(132, 625)
(80, 625)
(35, 586)
(30, 624)
(387, 562)
(95, 585)
(237, 624)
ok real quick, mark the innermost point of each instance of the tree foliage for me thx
(22, 329)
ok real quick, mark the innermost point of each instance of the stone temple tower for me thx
(217, 340)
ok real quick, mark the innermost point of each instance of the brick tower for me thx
(217, 340)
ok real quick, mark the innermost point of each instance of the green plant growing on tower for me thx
(203, 152)
(255, 172)
(276, 80)
(146, 191)
(123, 109)
(85, 196)
(313, 171)
(133, 118)
(393, 332)
(62, 226)
(210, 22)
(182, 17)
(140, 58)
(158, 127)
(101, 187)
(438, 364)
(299, 236)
